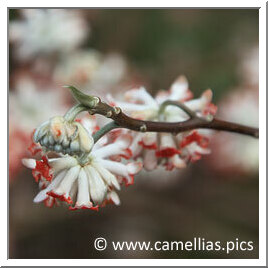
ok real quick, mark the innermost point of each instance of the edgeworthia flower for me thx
(87, 182)
(173, 151)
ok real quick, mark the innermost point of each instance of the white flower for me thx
(44, 31)
(87, 185)
(86, 180)
(163, 148)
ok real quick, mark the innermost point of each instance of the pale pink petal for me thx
(179, 89)
(177, 162)
(149, 140)
(140, 95)
(135, 147)
(149, 160)
(134, 167)
(201, 103)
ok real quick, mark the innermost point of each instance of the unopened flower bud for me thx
(59, 135)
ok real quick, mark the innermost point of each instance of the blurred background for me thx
(110, 51)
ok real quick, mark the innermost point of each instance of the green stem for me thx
(74, 111)
(105, 129)
(180, 105)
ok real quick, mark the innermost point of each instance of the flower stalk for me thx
(74, 111)
(105, 129)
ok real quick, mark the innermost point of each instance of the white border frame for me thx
(156, 262)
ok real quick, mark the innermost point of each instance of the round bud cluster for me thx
(65, 137)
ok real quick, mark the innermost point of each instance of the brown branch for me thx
(96, 106)
(125, 121)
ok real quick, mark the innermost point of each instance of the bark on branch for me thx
(121, 120)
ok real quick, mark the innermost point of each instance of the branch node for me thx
(91, 111)
(207, 118)
(143, 128)
(117, 110)
(109, 114)
(97, 101)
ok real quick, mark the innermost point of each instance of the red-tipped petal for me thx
(127, 154)
(130, 181)
(125, 140)
(134, 168)
(195, 137)
(167, 152)
(210, 109)
(96, 208)
(50, 202)
(152, 146)
(42, 169)
(61, 197)
(34, 148)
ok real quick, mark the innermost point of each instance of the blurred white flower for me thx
(240, 152)
(249, 67)
(92, 71)
(78, 68)
(17, 141)
(29, 105)
(44, 31)
(112, 71)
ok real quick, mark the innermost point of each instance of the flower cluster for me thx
(90, 165)
(172, 151)
(87, 181)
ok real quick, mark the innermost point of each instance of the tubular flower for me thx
(173, 151)
(87, 183)
(59, 135)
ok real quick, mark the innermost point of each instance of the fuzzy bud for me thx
(59, 135)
